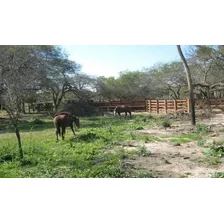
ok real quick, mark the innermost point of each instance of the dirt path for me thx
(180, 160)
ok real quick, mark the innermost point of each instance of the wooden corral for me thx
(167, 106)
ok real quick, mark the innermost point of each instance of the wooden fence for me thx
(136, 105)
(167, 106)
(150, 106)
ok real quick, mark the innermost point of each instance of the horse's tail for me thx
(57, 126)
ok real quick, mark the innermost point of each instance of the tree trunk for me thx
(19, 142)
(190, 86)
(23, 108)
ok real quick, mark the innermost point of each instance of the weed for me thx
(133, 136)
(139, 128)
(142, 151)
(201, 142)
(210, 160)
(219, 175)
(166, 124)
(202, 128)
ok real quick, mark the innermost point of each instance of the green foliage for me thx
(37, 121)
(201, 142)
(210, 160)
(216, 149)
(139, 128)
(133, 136)
(219, 175)
(214, 153)
(202, 128)
(180, 140)
(142, 151)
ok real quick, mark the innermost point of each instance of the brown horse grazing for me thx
(122, 108)
(63, 120)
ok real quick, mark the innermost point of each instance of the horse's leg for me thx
(130, 113)
(57, 132)
(125, 115)
(119, 114)
(56, 135)
(71, 126)
(63, 132)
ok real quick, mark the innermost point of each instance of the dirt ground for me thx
(180, 160)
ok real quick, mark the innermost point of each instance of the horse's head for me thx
(76, 120)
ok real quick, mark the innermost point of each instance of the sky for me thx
(109, 60)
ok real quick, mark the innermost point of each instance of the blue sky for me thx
(109, 60)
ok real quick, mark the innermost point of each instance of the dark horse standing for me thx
(122, 108)
(63, 120)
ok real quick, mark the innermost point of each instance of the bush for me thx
(166, 124)
(202, 128)
(142, 151)
(37, 121)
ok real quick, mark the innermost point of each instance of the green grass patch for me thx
(210, 160)
(83, 155)
(219, 175)
(185, 138)
(203, 128)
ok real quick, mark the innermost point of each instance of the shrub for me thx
(166, 124)
(37, 121)
(142, 151)
(203, 128)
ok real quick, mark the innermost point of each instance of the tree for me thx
(208, 64)
(58, 71)
(190, 86)
(105, 88)
(168, 79)
(19, 69)
(130, 85)
(83, 86)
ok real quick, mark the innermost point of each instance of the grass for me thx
(219, 175)
(185, 138)
(202, 128)
(95, 151)
(214, 153)
(84, 155)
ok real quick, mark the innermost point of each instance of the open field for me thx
(112, 147)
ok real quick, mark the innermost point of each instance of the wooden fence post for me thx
(188, 105)
(175, 105)
(157, 105)
(146, 106)
(149, 105)
(165, 103)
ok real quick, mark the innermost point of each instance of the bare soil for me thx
(174, 160)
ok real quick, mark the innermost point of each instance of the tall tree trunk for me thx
(190, 86)
(19, 142)
(23, 107)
